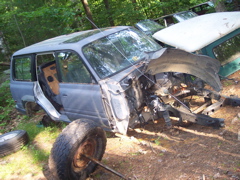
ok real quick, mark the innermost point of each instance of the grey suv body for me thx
(112, 79)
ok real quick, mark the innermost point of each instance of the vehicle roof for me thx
(59, 42)
(208, 3)
(169, 15)
(194, 34)
(144, 25)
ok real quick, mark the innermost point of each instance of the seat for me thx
(49, 83)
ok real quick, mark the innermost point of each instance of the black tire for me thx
(12, 141)
(80, 136)
(48, 122)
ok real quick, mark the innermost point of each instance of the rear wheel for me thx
(79, 137)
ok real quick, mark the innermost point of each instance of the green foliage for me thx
(33, 130)
(32, 157)
(228, 83)
(6, 103)
(157, 141)
(25, 22)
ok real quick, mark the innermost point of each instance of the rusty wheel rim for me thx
(87, 147)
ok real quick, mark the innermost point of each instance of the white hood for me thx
(194, 34)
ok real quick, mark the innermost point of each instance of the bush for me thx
(6, 103)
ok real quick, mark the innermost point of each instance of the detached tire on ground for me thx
(12, 141)
(79, 137)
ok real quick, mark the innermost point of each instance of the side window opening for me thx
(47, 77)
(170, 21)
(161, 21)
(228, 50)
(72, 68)
(22, 69)
(46, 69)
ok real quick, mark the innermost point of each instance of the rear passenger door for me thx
(79, 92)
(22, 77)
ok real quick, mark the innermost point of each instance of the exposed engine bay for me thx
(176, 95)
(172, 92)
(182, 95)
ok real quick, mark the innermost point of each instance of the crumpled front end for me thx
(175, 60)
(163, 86)
(179, 76)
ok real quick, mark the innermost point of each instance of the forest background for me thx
(25, 22)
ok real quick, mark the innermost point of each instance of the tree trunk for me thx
(88, 12)
(236, 5)
(110, 19)
(142, 3)
(219, 5)
(4, 63)
(134, 2)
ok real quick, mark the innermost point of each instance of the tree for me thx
(88, 12)
(219, 5)
(110, 19)
(25, 22)
(236, 5)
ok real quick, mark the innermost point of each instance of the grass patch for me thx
(32, 157)
(135, 153)
(18, 164)
(157, 141)
(33, 130)
(6, 103)
(228, 83)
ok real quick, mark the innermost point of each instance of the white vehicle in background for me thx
(216, 35)
(203, 8)
(171, 19)
(148, 26)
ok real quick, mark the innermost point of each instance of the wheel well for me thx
(31, 107)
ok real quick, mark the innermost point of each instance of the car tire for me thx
(80, 136)
(12, 141)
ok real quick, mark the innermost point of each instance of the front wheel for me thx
(79, 137)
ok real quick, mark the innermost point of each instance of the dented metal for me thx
(175, 60)
(143, 84)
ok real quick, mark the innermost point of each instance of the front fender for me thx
(175, 60)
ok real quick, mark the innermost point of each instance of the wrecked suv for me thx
(110, 80)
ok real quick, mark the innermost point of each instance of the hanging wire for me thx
(166, 91)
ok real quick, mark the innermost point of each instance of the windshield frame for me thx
(149, 26)
(185, 15)
(123, 53)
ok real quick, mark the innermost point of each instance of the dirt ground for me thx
(181, 153)
(190, 152)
